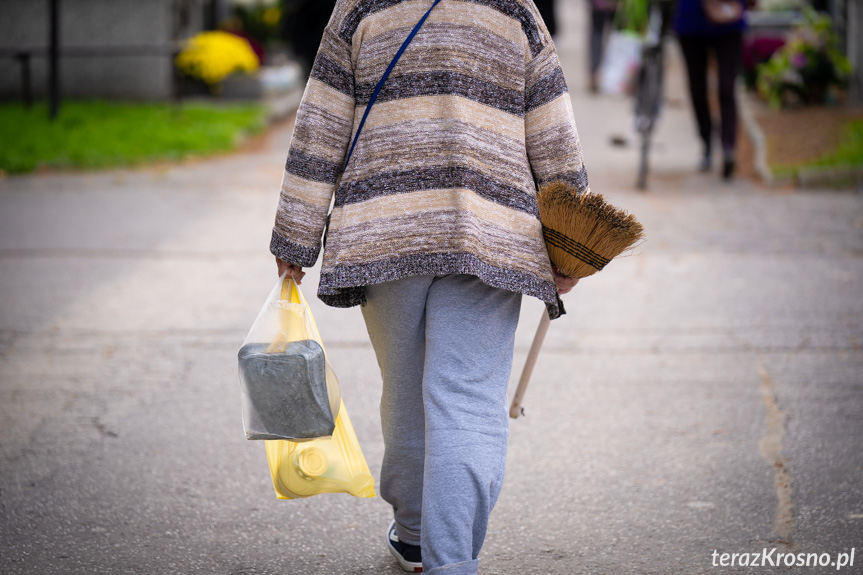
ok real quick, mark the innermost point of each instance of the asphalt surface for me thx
(703, 394)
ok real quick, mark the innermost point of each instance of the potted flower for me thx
(211, 57)
(807, 68)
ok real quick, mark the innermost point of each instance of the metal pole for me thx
(26, 82)
(176, 81)
(852, 49)
(54, 58)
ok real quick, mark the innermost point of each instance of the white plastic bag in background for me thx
(620, 63)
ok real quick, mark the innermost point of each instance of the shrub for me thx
(807, 67)
(213, 56)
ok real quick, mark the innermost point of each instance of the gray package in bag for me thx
(287, 391)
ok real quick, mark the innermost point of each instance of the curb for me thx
(807, 177)
(830, 177)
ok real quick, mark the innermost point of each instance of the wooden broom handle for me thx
(515, 408)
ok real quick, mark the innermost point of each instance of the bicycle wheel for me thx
(641, 182)
(648, 101)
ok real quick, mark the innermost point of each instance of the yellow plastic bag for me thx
(334, 465)
(326, 465)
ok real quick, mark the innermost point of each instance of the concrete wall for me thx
(98, 23)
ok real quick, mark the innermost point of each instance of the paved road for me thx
(704, 394)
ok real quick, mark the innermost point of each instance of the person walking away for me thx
(698, 34)
(601, 20)
(435, 232)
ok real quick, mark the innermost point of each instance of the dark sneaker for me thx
(408, 556)
(728, 168)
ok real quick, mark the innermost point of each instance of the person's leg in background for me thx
(601, 20)
(694, 50)
(395, 318)
(470, 335)
(729, 49)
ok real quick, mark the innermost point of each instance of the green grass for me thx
(96, 134)
(850, 150)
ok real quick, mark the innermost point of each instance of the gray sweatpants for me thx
(444, 345)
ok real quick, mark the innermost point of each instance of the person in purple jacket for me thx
(697, 34)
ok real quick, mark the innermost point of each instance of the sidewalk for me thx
(702, 394)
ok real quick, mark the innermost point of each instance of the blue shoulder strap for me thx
(384, 79)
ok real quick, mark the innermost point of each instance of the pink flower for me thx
(799, 60)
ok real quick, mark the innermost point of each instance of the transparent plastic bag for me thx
(289, 390)
(334, 465)
(620, 63)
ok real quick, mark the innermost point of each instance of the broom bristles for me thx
(583, 232)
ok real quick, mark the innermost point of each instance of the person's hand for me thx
(294, 271)
(564, 283)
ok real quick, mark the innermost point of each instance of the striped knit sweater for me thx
(443, 179)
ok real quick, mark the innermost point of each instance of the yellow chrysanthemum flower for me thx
(212, 56)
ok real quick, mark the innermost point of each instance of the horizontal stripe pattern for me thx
(387, 207)
(545, 90)
(311, 167)
(484, 53)
(329, 143)
(543, 147)
(555, 113)
(526, 18)
(443, 178)
(448, 143)
(299, 220)
(330, 73)
(578, 179)
(452, 12)
(358, 13)
(450, 230)
(316, 194)
(411, 85)
(333, 64)
(431, 108)
(517, 11)
(438, 177)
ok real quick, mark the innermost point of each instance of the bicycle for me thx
(648, 92)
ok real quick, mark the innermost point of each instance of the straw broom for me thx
(583, 233)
